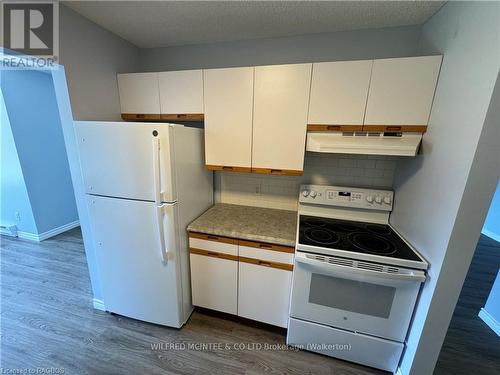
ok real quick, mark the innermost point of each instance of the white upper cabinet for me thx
(338, 94)
(139, 93)
(401, 91)
(228, 118)
(181, 92)
(280, 118)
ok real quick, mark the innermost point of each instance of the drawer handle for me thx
(212, 237)
(181, 116)
(265, 246)
(276, 171)
(262, 263)
(212, 254)
(393, 127)
(333, 127)
(140, 115)
(227, 168)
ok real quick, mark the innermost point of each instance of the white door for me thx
(136, 281)
(228, 116)
(264, 293)
(122, 160)
(326, 291)
(139, 93)
(181, 92)
(402, 90)
(338, 93)
(280, 116)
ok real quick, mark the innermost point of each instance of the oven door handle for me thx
(335, 269)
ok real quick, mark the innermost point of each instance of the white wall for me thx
(444, 193)
(348, 45)
(282, 192)
(92, 56)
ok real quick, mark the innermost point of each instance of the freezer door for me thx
(139, 274)
(127, 160)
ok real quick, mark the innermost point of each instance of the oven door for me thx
(354, 295)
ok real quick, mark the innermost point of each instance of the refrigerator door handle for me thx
(161, 233)
(156, 169)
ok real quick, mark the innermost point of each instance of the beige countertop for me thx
(248, 223)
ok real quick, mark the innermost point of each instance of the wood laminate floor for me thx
(470, 346)
(47, 321)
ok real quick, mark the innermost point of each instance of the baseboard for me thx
(490, 234)
(490, 321)
(49, 233)
(8, 230)
(98, 304)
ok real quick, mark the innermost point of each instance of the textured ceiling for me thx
(150, 24)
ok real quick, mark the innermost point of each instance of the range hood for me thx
(367, 143)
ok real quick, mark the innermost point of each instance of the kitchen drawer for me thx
(265, 254)
(264, 293)
(214, 283)
(367, 350)
(215, 244)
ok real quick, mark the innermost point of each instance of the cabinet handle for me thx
(213, 254)
(393, 128)
(266, 264)
(265, 246)
(140, 115)
(227, 168)
(333, 127)
(212, 237)
(276, 171)
(181, 116)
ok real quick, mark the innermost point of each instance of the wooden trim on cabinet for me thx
(213, 254)
(287, 172)
(395, 128)
(140, 116)
(215, 238)
(266, 263)
(183, 116)
(336, 128)
(229, 168)
(267, 246)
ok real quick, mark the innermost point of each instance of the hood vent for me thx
(367, 143)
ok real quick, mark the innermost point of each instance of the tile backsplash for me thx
(260, 190)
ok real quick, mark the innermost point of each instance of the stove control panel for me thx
(347, 197)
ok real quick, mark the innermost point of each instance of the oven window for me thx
(349, 295)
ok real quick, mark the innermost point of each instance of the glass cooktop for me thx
(354, 236)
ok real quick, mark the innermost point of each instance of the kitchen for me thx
(277, 195)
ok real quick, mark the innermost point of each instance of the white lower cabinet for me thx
(213, 283)
(264, 293)
(245, 278)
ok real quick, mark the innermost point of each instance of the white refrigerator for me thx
(144, 183)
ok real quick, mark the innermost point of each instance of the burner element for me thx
(378, 229)
(343, 227)
(371, 243)
(321, 236)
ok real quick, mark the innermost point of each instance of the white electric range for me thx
(355, 280)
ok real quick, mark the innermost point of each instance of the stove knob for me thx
(369, 198)
(378, 199)
(387, 200)
(312, 194)
(305, 193)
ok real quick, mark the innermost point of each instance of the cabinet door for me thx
(264, 293)
(214, 272)
(139, 96)
(338, 95)
(280, 118)
(181, 95)
(401, 93)
(228, 118)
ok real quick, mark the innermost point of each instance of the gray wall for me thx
(443, 194)
(350, 45)
(92, 56)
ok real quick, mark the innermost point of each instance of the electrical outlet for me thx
(17, 215)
